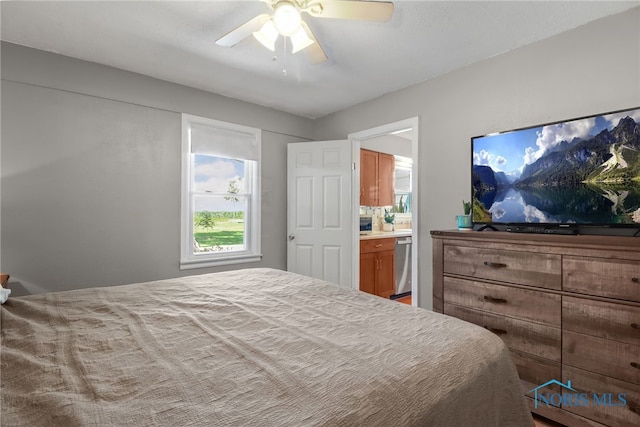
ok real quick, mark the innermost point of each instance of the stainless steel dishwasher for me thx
(403, 265)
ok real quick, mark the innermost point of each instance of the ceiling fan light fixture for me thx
(300, 40)
(267, 35)
(286, 18)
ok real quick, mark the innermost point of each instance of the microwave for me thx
(366, 224)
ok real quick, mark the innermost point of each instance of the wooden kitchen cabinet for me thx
(377, 266)
(368, 271)
(386, 171)
(368, 178)
(376, 178)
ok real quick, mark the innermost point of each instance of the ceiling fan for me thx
(286, 20)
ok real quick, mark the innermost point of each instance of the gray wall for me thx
(90, 154)
(592, 69)
(91, 172)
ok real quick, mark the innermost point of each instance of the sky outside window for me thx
(216, 176)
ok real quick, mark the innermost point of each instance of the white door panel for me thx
(319, 210)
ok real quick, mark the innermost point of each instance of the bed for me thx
(259, 347)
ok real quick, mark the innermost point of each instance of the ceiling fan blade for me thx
(314, 52)
(235, 36)
(380, 11)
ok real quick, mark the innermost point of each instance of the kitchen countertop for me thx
(386, 234)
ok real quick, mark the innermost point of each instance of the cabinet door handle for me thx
(635, 280)
(635, 365)
(496, 330)
(495, 264)
(488, 298)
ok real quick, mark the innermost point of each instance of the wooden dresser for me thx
(568, 308)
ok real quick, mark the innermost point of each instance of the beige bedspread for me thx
(257, 347)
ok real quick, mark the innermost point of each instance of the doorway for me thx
(382, 138)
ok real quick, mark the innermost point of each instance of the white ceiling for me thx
(174, 41)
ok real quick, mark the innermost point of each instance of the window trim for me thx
(252, 252)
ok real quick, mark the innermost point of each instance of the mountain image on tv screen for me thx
(583, 171)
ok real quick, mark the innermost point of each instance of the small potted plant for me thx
(466, 206)
(388, 220)
(464, 221)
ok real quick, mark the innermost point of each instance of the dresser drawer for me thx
(377, 245)
(596, 276)
(525, 304)
(627, 414)
(618, 322)
(520, 335)
(534, 371)
(606, 357)
(523, 268)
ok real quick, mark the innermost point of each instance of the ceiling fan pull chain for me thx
(284, 56)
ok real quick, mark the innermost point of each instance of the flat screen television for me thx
(567, 174)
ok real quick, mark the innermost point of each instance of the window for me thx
(220, 193)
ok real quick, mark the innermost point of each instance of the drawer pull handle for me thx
(496, 330)
(635, 326)
(379, 245)
(635, 365)
(635, 280)
(494, 300)
(495, 264)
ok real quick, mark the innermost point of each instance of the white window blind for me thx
(218, 141)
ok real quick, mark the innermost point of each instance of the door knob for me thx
(291, 237)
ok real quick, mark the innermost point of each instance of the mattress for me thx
(254, 347)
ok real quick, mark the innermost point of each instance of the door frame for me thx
(355, 139)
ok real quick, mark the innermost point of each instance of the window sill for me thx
(204, 263)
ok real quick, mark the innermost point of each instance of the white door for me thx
(319, 217)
